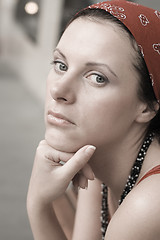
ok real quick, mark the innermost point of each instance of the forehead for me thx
(83, 29)
(94, 40)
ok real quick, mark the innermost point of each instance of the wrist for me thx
(37, 205)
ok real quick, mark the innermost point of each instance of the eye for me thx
(59, 66)
(97, 79)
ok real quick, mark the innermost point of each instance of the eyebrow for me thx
(89, 63)
(101, 65)
(57, 50)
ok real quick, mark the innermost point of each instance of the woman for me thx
(101, 116)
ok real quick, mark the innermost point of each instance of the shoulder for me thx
(138, 217)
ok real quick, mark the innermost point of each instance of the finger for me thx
(83, 182)
(78, 161)
(80, 181)
(87, 172)
(42, 142)
(75, 181)
(57, 156)
(53, 154)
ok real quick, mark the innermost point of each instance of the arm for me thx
(65, 211)
(138, 217)
(87, 222)
(44, 223)
(49, 180)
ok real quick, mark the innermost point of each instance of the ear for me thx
(145, 113)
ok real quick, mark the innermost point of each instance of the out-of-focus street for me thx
(21, 128)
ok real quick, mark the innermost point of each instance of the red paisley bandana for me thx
(144, 24)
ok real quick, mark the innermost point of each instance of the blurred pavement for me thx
(21, 129)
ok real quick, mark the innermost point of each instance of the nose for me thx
(64, 89)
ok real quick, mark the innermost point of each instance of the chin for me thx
(62, 145)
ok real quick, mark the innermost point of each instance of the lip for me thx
(58, 119)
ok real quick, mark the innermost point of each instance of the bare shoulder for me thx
(138, 217)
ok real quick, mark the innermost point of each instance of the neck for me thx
(112, 164)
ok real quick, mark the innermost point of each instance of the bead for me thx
(132, 178)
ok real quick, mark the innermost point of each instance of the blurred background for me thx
(29, 31)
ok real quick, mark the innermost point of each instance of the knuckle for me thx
(42, 142)
(39, 149)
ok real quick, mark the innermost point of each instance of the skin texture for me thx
(76, 94)
(95, 125)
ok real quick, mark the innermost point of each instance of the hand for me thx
(50, 178)
(80, 180)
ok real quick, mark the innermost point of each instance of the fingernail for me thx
(90, 149)
(93, 176)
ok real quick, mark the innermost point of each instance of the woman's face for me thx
(92, 88)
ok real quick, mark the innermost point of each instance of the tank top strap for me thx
(154, 170)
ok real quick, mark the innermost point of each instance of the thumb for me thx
(77, 162)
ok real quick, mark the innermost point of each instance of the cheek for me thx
(103, 110)
(49, 84)
(105, 122)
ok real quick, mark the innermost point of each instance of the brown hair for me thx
(145, 91)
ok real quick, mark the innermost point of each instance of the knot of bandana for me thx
(144, 24)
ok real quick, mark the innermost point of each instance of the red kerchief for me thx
(144, 24)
